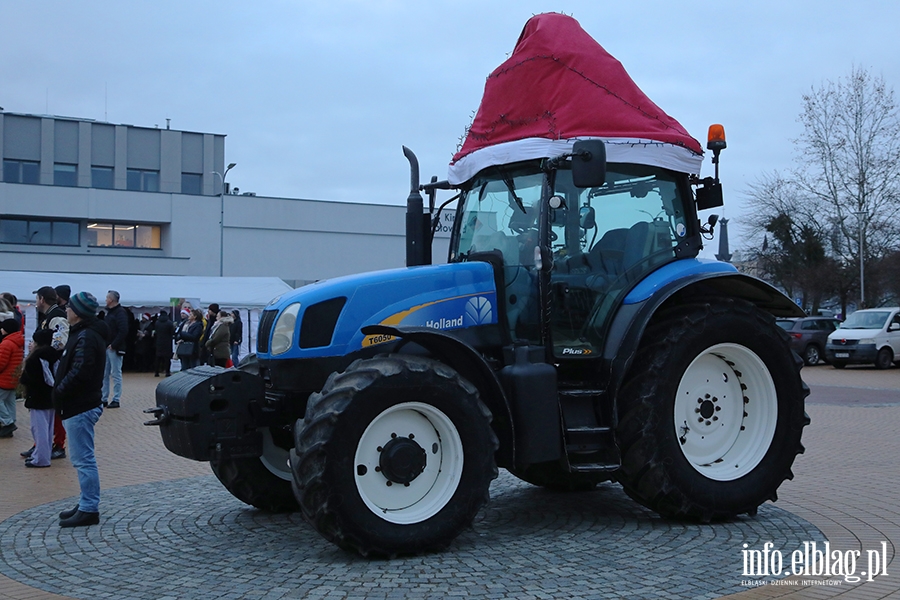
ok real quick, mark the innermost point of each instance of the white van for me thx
(871, 335)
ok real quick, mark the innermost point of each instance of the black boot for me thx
(68, 514)
(80, 519)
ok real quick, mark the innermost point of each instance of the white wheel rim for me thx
(432, 489)
(726, 408)
(275, 459)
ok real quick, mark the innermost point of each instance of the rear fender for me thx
(466, 361)
(632, 318)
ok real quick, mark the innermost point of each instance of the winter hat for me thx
(147, 316)
(185, 313)
(63, 292)
(84, 304)
(10, 326)
(42, 337)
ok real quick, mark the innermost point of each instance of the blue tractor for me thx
(573, 337)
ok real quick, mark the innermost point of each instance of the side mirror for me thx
(589, 163)
(894, 327)
(587, 217)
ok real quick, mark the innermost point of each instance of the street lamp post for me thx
(862, 281)
(222, 218)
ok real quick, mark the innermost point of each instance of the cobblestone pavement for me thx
(169, 530)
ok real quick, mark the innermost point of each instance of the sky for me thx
(317, 97)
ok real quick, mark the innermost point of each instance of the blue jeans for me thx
(81, 452)
(114, 369)
(235, 353)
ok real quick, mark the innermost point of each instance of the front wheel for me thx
(263, 482)
(394, 456)
(712, 412)
(885, 358)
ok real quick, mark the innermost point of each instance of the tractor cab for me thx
(572, 250)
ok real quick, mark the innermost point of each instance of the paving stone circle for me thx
(191, 539)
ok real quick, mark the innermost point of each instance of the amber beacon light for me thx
(715, 140)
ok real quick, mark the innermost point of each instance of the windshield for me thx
(499, 212)
(866, 320)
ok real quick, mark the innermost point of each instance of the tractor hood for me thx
(324, 318)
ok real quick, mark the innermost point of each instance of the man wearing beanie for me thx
(63, 292)
(76, 397)
(11, 353)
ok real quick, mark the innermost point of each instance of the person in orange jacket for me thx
(12, 350)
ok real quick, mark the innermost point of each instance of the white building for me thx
(82, 196)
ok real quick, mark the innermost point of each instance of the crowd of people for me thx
(75, 360)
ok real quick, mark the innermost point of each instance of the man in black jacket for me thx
(117, 321)
(76, 397)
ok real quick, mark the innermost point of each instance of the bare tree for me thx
(794, 255)
(844, 189)
(849, 163)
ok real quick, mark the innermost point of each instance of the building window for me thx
(65, 175)
(40, 232)
(143, 181)
(191, 183)
(123, 235)
(102, 177)
(21, 171)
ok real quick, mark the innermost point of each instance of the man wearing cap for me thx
(48, 304)
(76, 397)
(117, 321)
(54, 317)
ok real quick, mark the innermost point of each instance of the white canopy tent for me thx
(152, 290)
(152, 293)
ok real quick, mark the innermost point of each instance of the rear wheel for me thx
(712, 412)
(884, 358)
(394, 456)
(812, 355)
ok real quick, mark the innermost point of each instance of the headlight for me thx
(283, 332)
(867, 341)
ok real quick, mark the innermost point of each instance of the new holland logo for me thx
(479, 311)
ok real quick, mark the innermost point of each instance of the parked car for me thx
(809, 335)
(871, 335)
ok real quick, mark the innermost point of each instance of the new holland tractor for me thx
(573, 336)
